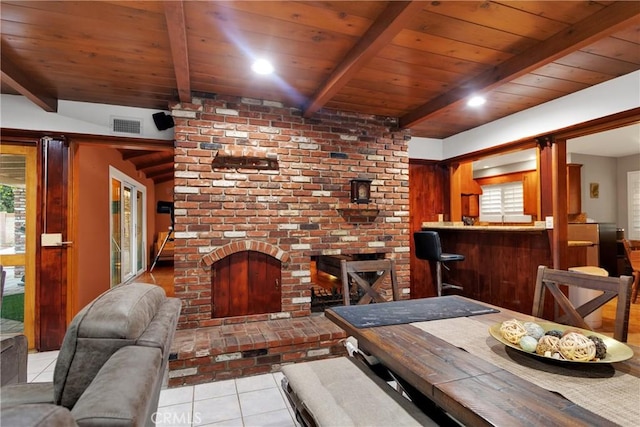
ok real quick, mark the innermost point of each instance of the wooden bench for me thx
(344, 392)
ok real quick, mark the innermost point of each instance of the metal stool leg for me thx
(439, 277)
(442, 285)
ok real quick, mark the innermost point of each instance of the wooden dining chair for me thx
(632, 253)
(352, 278)
(551, 279)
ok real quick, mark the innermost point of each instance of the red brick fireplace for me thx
(256, 176)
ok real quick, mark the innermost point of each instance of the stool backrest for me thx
(427, 245)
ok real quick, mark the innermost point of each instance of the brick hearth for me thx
(237, 350)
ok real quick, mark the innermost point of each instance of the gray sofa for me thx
(13, 354)
(110, 368)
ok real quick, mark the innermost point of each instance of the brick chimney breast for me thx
(281, 186)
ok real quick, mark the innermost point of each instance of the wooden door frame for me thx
(52, 216)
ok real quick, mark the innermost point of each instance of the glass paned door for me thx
(116, 227)
(140, 252)
(128, 243)
(18, 184)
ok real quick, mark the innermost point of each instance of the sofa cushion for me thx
(339, 392)
(115, 319)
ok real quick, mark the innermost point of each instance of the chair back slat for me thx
(350, 274)
(612, 287)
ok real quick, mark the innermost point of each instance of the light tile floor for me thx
(256, 401)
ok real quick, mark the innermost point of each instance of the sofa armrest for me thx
(17, 394)
(121, 392)
(37, 415)
(13, 355)
(162, 328)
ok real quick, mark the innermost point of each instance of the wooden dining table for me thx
(456, 365)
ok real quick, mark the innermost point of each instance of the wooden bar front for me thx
(500, 267)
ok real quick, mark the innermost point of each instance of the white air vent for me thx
(126, 126)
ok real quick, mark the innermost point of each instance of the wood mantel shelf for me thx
(363, 214)
(245, 162)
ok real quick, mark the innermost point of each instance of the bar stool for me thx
(428, 248)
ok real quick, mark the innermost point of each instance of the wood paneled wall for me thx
(428, 197)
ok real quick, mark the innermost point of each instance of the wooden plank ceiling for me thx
(418, 61)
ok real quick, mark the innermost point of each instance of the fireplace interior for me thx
(326, 289)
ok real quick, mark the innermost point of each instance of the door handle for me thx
(53, 239)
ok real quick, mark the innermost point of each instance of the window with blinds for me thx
(633, 201)
(503, 203)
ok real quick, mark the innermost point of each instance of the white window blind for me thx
(503, 203)
(633, 200)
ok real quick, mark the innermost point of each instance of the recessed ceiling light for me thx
(262, 66)
(476, 101)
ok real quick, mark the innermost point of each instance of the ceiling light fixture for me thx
(476, 101)
(262, 66)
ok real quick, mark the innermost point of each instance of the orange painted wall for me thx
(164, 192)
(93, 217)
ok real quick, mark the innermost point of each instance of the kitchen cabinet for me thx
(468, 185)
(471, 205)
(574, 189)
(464, 191)
(530, 193)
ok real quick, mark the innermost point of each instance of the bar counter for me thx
(537, 227)
(500, 263)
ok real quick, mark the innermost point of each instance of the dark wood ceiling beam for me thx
(153, 162)
(163, 178)
(177, 30)
(599, 25)
(390, 22)
(160, 170)
(130, 154)
(25, 84)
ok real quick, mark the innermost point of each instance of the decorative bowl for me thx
(616, 351)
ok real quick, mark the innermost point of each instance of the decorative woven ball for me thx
(571, 330)
(548, 343)
(575, 346)
(512, 330)
(533, 330)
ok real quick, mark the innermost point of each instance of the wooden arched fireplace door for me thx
(245, 283)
